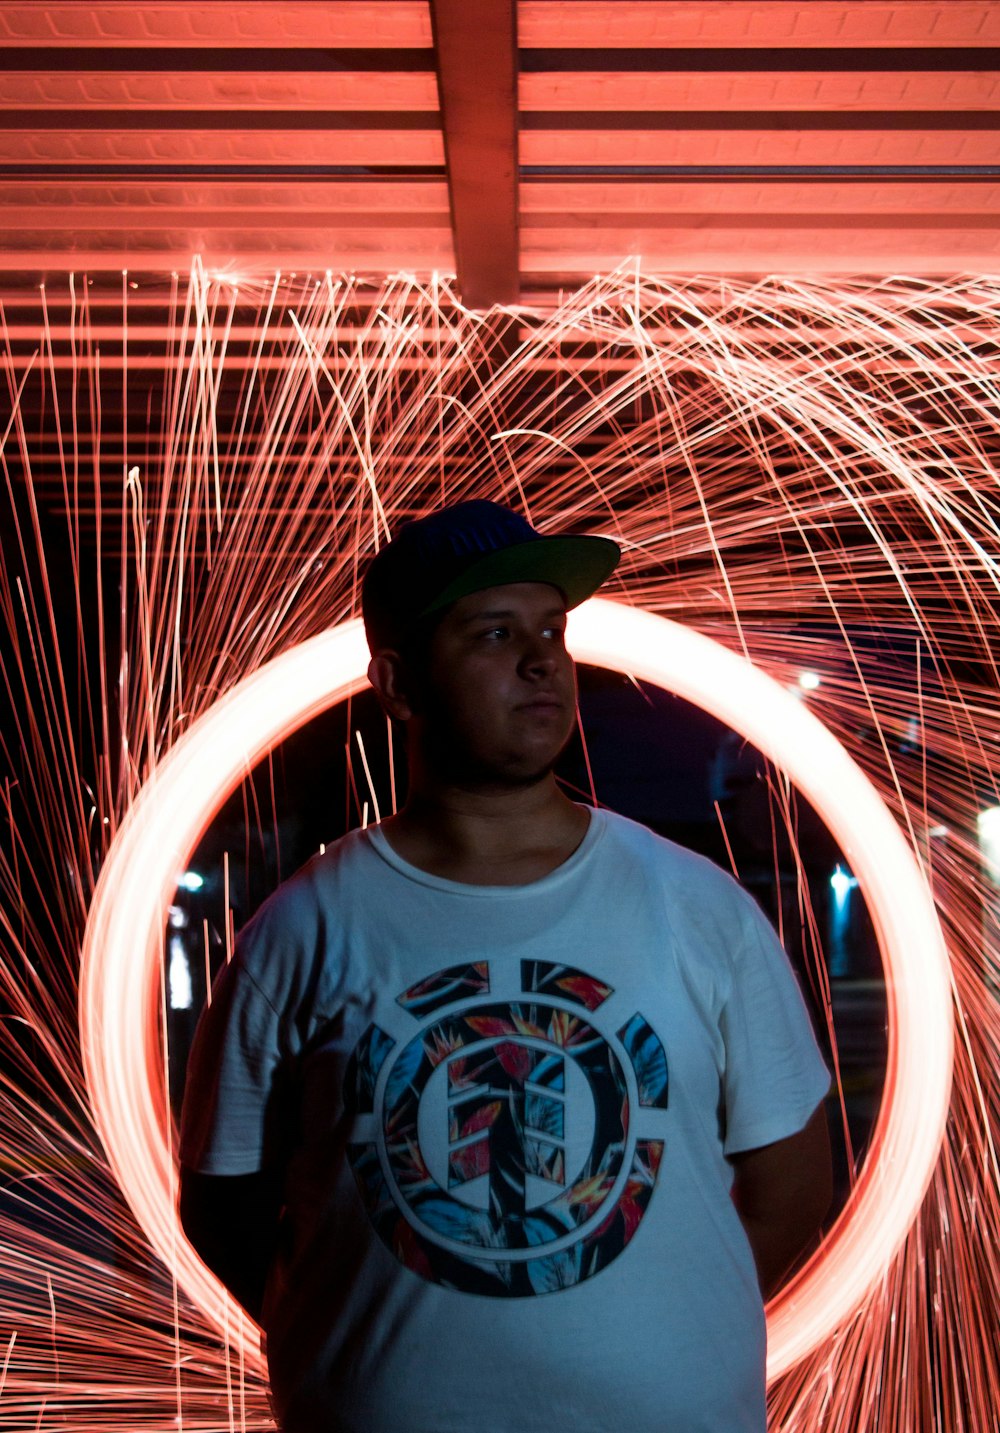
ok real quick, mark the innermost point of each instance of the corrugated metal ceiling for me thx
(727, 136)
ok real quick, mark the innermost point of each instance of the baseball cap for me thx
(437, 559)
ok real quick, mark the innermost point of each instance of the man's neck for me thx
(492, 837)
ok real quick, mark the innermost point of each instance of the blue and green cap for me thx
(437, 559)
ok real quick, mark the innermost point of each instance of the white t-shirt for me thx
(504, 1113)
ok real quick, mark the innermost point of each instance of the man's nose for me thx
(538, 655)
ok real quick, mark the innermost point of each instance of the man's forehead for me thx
(511, 599)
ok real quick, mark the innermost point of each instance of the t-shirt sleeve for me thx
(230, 1114)
(774, 1075)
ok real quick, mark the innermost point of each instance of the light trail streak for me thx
(122, 955)
(803, 467)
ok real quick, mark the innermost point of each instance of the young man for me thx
(506, 1110)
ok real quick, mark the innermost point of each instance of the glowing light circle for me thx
(122, 955)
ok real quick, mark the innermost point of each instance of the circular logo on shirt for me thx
(507, 1153)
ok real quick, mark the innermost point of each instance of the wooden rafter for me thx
(476, 50)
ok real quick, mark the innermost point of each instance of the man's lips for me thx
(544, 702)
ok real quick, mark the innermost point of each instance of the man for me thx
(506, 1110)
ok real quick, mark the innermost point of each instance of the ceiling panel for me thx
(180, 24)
(791, 143)
(770, 199)
(767, 134)
(735, 246)
(149, 142)
(843, 90)
(261, 90)
(764, 23)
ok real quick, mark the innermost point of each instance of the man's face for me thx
(498, 695)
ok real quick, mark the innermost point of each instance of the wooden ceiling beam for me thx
(475, 44)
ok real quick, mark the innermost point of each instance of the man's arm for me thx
(781, 1192)
(232, 1222)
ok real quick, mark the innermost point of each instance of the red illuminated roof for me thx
(531, 144)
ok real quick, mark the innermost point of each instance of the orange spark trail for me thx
(804, 470)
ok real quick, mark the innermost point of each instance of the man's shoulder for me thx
(715, 920)
(669, 860)
(304, 897)
(285, 946)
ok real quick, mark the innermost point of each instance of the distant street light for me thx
(988, 826)
(843, 885)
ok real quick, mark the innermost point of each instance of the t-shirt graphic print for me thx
(513, 1146)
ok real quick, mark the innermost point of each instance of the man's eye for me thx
(496, 632)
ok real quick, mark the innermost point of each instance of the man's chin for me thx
(511, 778)
(513, 770)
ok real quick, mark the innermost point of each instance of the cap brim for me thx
(577, 565)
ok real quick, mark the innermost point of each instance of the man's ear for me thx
(388, 676)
